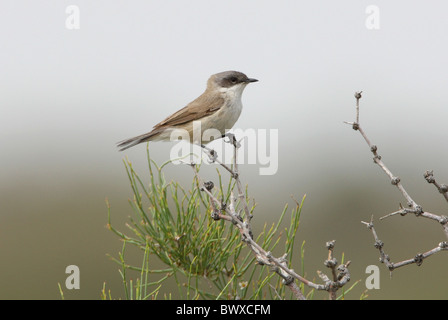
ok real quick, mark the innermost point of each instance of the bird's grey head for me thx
(228, 79)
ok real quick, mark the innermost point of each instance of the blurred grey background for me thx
(67, 96)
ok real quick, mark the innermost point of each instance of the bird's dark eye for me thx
(234, 79)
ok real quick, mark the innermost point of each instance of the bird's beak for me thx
(250, 80)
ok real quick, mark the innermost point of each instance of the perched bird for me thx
(218, 108)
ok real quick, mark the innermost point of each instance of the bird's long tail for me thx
(126, 144)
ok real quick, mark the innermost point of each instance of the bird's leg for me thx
(232, 139)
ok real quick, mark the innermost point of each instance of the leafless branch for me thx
(443, 188)
(339, 278)
(413, 206)
(418, 259)
(221, 211)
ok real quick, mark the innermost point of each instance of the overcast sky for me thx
(68, 95)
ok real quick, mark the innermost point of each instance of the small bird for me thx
(219, 107)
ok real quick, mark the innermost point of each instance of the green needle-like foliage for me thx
(204, 258)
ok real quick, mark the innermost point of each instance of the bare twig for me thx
(331, 263)
(278, 265)
(413, 206)
(377, 158)
(418, 259)
(443, 188)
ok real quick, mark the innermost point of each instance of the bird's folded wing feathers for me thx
(201, 107)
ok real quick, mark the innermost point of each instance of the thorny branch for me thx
(413, 206)
(418, 259)
(228, 212)
(443, 188)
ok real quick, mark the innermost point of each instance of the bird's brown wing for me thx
(203, 106)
